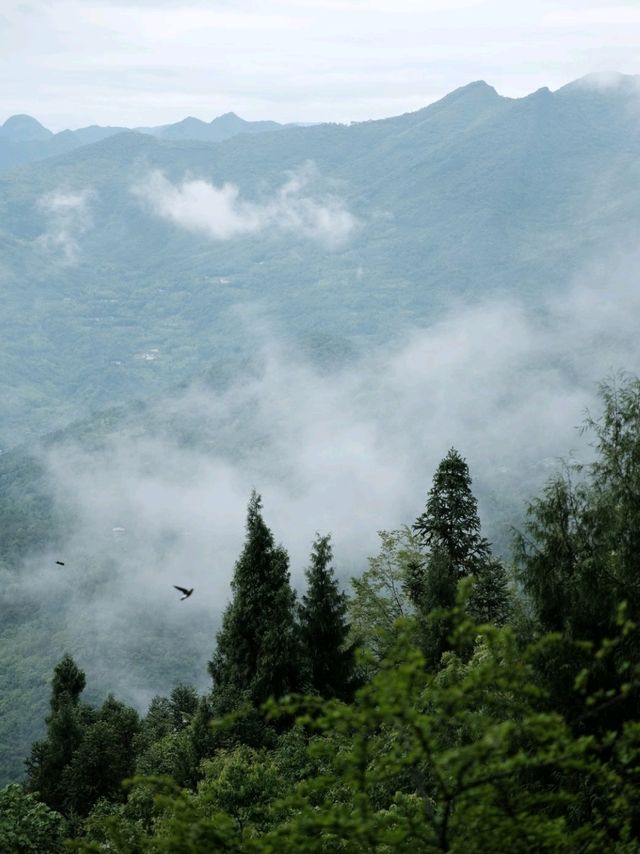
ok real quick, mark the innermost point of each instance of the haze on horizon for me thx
(72, 63)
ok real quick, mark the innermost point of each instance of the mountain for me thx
(472, 195)
(219, 129)
(24, 140)
(24, 129)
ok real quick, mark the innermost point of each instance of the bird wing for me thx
(182, 589)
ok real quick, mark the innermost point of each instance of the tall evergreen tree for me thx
(449, 530)
(324, 629)
(258, 651)
(450, 520)
(65, 727)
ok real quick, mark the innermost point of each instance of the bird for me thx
(186, 592)
(60, 562)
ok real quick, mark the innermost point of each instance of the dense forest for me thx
(451, 701)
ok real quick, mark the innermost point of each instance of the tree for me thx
(324, 629)
(103, 758)
(67, 684)
(449, 530)
(65, 727)
(450, 520)
(202, 738)
(380, 595)
(579, 554)
(258, 653)
(183, 702)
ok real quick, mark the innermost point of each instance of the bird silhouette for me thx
(186, 592)
(60, 562)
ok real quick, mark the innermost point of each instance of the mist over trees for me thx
(448, 702)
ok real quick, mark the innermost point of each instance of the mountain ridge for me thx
(472, 195)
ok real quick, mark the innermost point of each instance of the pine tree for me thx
(324, 628)
(450, 520)
(449, 530)
(258, 653)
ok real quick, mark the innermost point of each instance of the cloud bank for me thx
(220, 213)
(349, 451)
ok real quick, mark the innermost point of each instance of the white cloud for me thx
(220, 213)
(68, 218)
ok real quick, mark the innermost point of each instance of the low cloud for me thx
(220, 213)
(68, 217)
(606, 81)
(348, 451)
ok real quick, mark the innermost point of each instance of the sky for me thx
(71, 63)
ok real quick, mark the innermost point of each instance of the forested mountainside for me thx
(123, 263)
(450, 703)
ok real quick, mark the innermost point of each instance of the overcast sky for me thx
(136, 62)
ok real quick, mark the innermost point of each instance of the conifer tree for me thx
(324, 628)
(450, 520)
(449, 530)
(65, 726)
(258, 651)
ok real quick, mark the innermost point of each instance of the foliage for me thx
(27, 826)
(490, 600)
(463, 760)
(379, 596)
(578, 555)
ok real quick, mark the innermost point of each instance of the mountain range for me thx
(131, 245)
(24, 140)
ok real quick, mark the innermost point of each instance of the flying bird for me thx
(186, 592)
(60, 562)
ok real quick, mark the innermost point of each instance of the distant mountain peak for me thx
(477, 90)
(229, 120)
(23, 128)
(477, 86)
